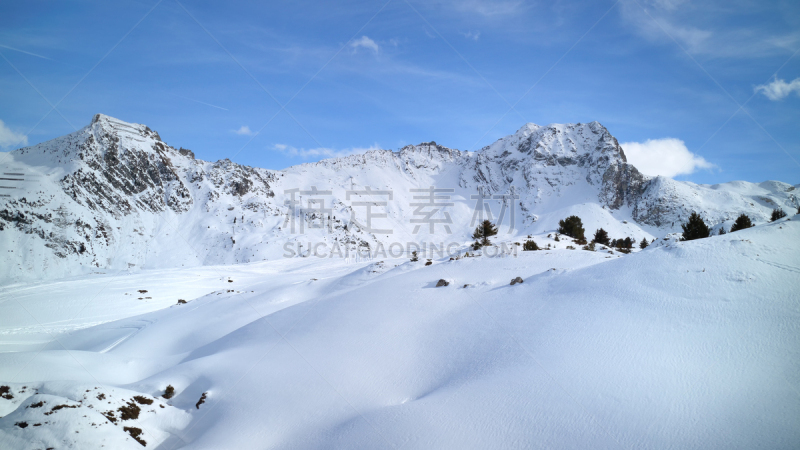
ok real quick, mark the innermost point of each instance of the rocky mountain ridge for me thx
(114, 196)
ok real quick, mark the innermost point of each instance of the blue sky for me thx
(703, 91)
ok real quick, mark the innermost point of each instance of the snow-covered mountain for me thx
(114, 196)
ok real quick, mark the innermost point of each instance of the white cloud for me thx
(244, 131)
(320, 153)
(474, 36)
(668, 157)
(9, 138)
(703, 28)
(779, 89)
(657, 21)
(365, 42)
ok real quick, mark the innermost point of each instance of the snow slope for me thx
(686, 345)
(114, 198)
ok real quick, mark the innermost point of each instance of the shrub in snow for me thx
(741, 223)
(442, 282)
(529, 245)
(428, 263)
(130, 411)
(572, 227)
(722, 231)
(414, 257)
(5, 393)
(516, 280)
(142, 400)
(695, 228)
(643, 245)
(777, 213)
(483, 232)
(135, 433)
(590, 246)
(169, 392)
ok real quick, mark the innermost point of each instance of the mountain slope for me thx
(113, 196)
(693, 345)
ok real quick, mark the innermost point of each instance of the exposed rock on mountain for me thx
(114, 197)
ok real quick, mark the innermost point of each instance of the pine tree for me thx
(483, 232)
(777, 213)
(721, 231)
(601, 237)
(695, 228)
(572, 227)
(741, 223)
(643, 245)
(529, 245)
(627, 243)
(414, 257)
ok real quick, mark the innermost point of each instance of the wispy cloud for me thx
(321, 152)
(668, 157)
(9, 137)
(244, 130)
(779, 89)
(470, 35)
(711, 28)
(365, 42)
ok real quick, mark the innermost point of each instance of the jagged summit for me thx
(113, 195)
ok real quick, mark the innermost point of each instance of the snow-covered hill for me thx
(114, 197)
(691, 345)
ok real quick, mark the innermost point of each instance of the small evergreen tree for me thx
(627, 243)
(721, 231)
(529, 245)
(777, 213)
(643, 245)
(414, 257)
(741, 223)
(572, 227)
(614, 243)
(483, 232)
(695, 228)
(601, 236)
